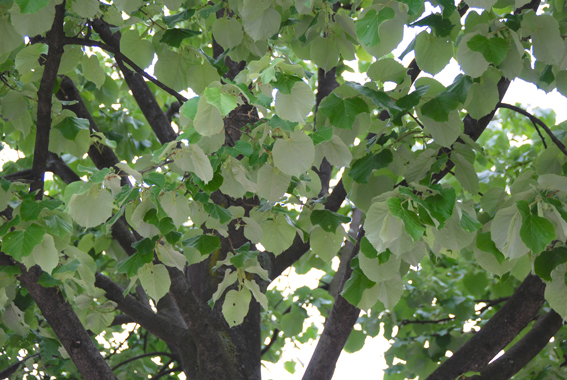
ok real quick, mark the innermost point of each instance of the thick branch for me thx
(536, 121)
(520, 354)
(338, 327)
(46, 86)
(497, 333)
(66, 325)
(12, 368)
(158, 325)
(140, 90)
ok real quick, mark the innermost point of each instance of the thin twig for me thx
(122, 57)
(142, 356)
(537, 121)
(424, 322)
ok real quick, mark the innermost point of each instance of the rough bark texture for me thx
(497, 333)
(67, 326)
(140, 90)
(519, 355)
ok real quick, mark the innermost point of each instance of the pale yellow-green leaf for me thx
(465, 174)
(2, 337)
(471, 62)
(13, 318)
(419, 167)
(484, 4)
(155, 280)
(548, 46)
(14, 105)
(235, 306)
(553, 182)
(9, 38)
(139, 50)
(505, 232)
(97, 321)
(379, 272)
(200, 76)
(127, 5)
(227, 32)
(229, 279)
(171, 257)
(91, 208)
(387, 70)
(171, 69)
(272, 184)
(252, 230)
(381, 226)
(391, 291)
(33, 24)
(444, 133)
(297, 105)
(336, 152)
(131, 172)
(192, 159)
(208, 120)
(277, 235)
(137, 219)
(27, 58)
(70, 59)
(264, 26)
(176, 207)
(361, 194)
(257, 293)
(295, 155)
(45, 255)
(452, 236)
(488, 262)
(432, 53)
(92, 70)
(326, 244)
(556, 291)
(325, 52)
(482, 98)
(85, 8)
(211, 144)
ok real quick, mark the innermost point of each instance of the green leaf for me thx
(71, 126)
(387, 70)
(295, 106)
(31, 6)
(235, 306)
(335, 151)
(200, 76)
(355, 286)
(325, 244)
(155, 280)
(342, 112)
(536, 232)
(493, 49)
(86, 8)
(218, 212)
(174, 37)
(471, 62)
(178, 17)
(468, 223)
(484, 243)
(20, 243)
(264, 26)
(440, 25)
(173, 70)
(411, 221)
(322, 134)
(362, 168)
(444, 133)
(368, 249)
(131, 265)
(205, 244)
(328, 220)
(547, 261)
(44, 254)
(325, 52)
(295, 155)
(548, 46)
(380, 98)
(224, 102)
(10, 38)
(92, 70)
(440, 206)
(47, 281)
(465, 174)
(367, 27)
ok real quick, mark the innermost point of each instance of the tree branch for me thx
(141, 357)
(497, 333)
(140, 90)
(338, 327)
(121, 57)
(46, 86)
(520, 354)
(12, 368)
(159, 325)
(536, 121)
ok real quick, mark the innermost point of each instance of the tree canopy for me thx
(200, 149)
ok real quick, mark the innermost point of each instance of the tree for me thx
(176, 212)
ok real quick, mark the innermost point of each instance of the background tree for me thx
(177, 212)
